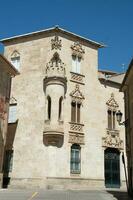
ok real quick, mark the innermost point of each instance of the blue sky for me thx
(106, 21)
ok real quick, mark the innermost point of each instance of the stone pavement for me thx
(16, 194)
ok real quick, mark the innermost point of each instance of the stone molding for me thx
(111, 103)
(56, 43)
(13, 100)
(77, 50)
(15, 54)
(77, 78)
(112, 139)
(77, 95)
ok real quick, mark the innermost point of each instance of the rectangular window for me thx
(12, 113)
(16, 62)
(75, 160)
(76, 62)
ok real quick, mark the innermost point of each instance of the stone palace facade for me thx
(63, 113)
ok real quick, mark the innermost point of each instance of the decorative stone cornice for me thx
(77, 49)
(112, 139)
(77, 94)
(56, 43)
(111, 103)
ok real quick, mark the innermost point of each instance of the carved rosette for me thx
(112, 140)
(77, 50)
(77, 94)
(56, 43)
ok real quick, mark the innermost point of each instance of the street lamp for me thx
(119, 117)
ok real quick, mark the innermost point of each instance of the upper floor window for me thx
(15, 60)
(12, 110)
(111, 119)
(75, 164)
(111, 113)
(76, 64)
(12, 113)
(60, 108)
(75, 112)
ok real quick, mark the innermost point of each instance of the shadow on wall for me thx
(8, 153)
(120, 195)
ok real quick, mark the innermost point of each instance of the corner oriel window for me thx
(75, 164)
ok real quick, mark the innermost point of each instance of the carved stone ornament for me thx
(15, 54)
(77, 49)
(55, 67)
(76, 138)
(13, 100)
(77, 94)
(112, 140)
(56, 43)
(111, 103)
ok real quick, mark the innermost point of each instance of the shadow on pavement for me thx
(120, 195)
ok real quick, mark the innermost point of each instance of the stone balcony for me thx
(77, 78)
(53, 134)
(112, 139)
(76, 134)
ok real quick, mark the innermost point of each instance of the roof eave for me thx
(98, 45)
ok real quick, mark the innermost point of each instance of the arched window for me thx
(60, 107)
(49, 107)
(111, 119)
(75, 112)
(75, 165)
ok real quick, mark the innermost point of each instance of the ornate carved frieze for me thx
(55, 67)
(56, 43)
(77, 78)
(76, 134)
(112, 140)
(112, 104)
(76, 127)
(77, 50)
(76, 138)
(77, 94)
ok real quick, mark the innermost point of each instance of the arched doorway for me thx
(112, 168)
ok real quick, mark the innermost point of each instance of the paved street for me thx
(61, 195)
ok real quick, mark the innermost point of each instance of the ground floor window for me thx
(75, 159)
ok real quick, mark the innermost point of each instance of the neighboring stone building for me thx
(127, 88)
(63, 113)
(6, 73)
